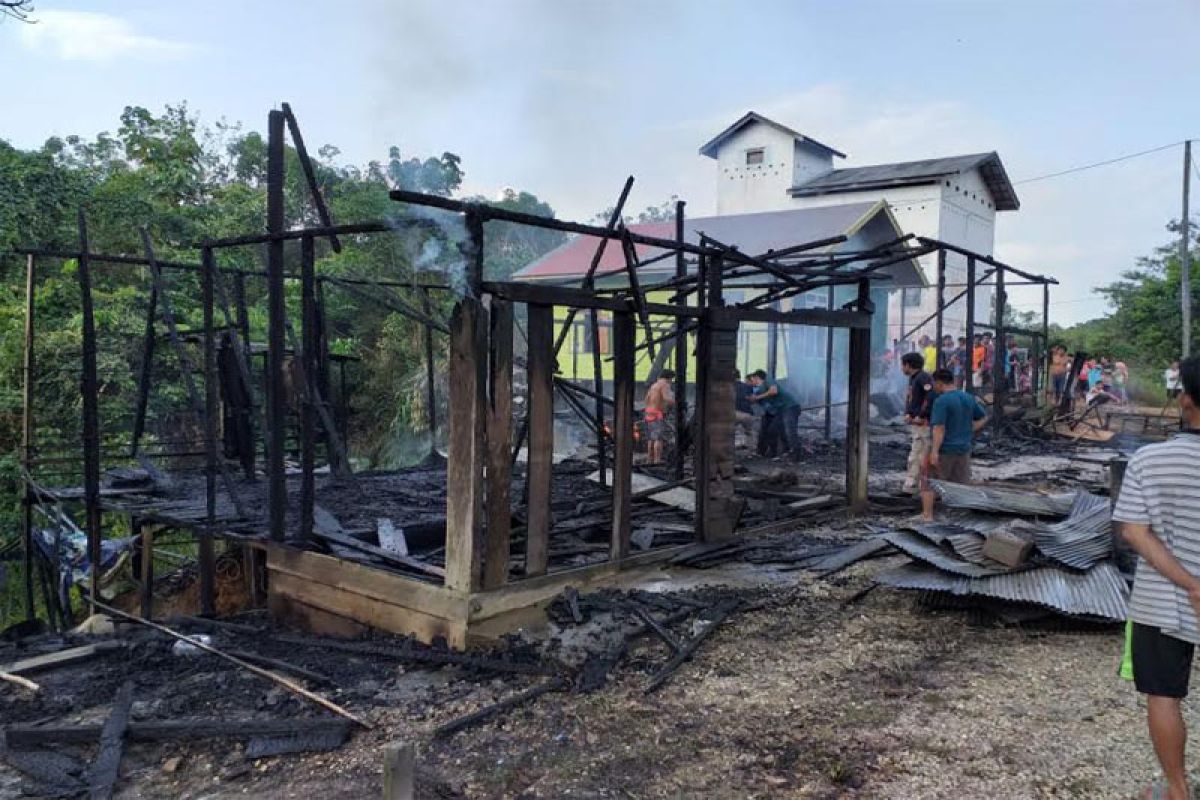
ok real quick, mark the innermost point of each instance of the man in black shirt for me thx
(917, 402)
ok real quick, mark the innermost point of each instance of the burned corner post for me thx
(859, 411)
(276, 340)
(89, 385)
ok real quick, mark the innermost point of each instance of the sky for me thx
(565, 98)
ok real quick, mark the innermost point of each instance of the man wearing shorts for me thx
(916, 413)
(659, 398)
(954, 418)
(1159, 514)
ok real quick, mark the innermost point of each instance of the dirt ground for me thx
(806, 697)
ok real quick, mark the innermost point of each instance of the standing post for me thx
(277, 311)
(681, 350)
(624, 379)
(940, 359)
(430, 388)
(999, 382)
(243, 330)
(859, 409)
(540, 414)
(206, 556)
(91, 414)
(27, 440)
(467, 435)
(969, 367)
(1045, 338)
(308, 358)
(598, 388)
(903, 312)
(1185, 265)
(829, 373)
(497, 536)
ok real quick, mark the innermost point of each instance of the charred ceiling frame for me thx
(476, 584)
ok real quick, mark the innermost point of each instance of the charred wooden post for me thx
(276, 339)
(1045, 359)
(681, 350)
(499, 435)
(969, 367)
(939, 327)
(540, 378)
(243, 331)
(430, 381)
(308, 357)
(467, 434)
(148, 341)
(598, 387)
(27, 377)
(310, 176)
(999, 380)
(859, 410)
(89, 386)
(624, 378)
(145, 533)
(206, 557)
(717, 507)
(829, 373)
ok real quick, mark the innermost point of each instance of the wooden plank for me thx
(372, 611)
(530, 592)
(147, 571)
(61, 658)
(498, 533)
(540, 376)
(534, 293)
(102, 775)
(642, 485)
(464, 468)
(624, 372)
(859, 411)
(374, 583)
(346, 540)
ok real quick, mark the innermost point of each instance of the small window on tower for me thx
(754, 157)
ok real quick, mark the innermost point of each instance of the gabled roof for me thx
(750, 233)
(710, 147)
(914, 173)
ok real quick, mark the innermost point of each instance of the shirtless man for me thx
(1058, 372)
(659, 398)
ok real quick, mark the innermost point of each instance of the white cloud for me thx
(91, 36)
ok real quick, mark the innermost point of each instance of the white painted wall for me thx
(744, 189)
(959, 211)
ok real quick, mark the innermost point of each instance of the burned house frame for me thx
(497, 541)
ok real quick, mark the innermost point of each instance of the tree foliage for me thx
(186, 182)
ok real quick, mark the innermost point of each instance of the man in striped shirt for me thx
(1159, 509)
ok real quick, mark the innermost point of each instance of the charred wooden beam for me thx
(276, 338)
(623, 391)
(89, 386)
(539, 474)
(474, 718)
(498, 531)
(102, 775)
(310, 176)
(688, 650)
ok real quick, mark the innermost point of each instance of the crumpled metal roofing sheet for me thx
(923, 550)
(1083, 538)
(1098, 592)
(1004, 501)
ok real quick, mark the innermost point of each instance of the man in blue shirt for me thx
(954, 419)
(781, 415)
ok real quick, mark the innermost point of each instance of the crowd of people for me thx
(981, 354)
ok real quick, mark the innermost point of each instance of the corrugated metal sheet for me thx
(1004, 501)
(923, 550)
(1083, 538)
(1099, 592)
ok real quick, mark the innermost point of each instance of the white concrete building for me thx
(765, 166)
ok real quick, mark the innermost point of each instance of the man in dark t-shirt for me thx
(954, 418)
(916, 413)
